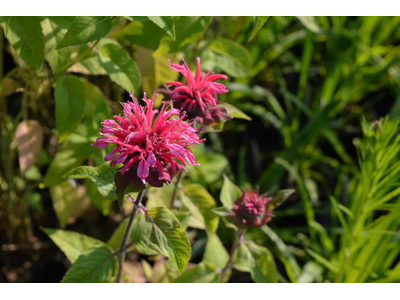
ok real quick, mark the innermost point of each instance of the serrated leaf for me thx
(234, 112)
(120, 67)
(84, 30)
(29, 135)
(72, 244)
(258, 23)
(166, 24)
(201, 273)
(215, 252)
(70, 104)
(69, 203)
(164, 234)
(205, 202)
(229, 193)
(231, 57)
(95, 265)
(102, 176)
(26, 36)
(188, 30)
(256, 260)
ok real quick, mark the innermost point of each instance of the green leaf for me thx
(205, 202)
(183, 217)
(120, 67)
(215, 253)
(234, 112)
(72, 244)
(70, 104)
(281, 197)
(222, 211)
(231, 57)
(166, 24)
(98, 200)
(95, 265)
(69, 203)
(188, 30)
(102, 176)
(84, 30)
(310, 24)
(258, 23)
(256, 260)
(201, 273)
(54, 33)
(164, 234)
(196, 219)
(229, 193)
(26, 36)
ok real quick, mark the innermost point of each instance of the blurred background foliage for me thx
(311, 86)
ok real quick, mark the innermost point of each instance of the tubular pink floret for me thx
(159, 146)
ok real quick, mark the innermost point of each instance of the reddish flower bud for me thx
(253, 209)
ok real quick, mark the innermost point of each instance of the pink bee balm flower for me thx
(151, 152)
(253, 209)
(198, 98)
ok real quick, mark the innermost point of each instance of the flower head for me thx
(151, 152)
(253, 209)
(198, 98)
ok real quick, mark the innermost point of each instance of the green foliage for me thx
(202, 273)
(95, 265)
(229, 193)
(161, 231)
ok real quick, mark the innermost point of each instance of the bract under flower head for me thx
(152, 151)
(252, 209)
(198, 98)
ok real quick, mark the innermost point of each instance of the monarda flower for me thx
(198, 98)
(251, 208)
(151, 152)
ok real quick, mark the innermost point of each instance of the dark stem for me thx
(235, 245)
(121, 256)
(177, 183)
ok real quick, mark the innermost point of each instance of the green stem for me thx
(235, 245)
(177, 183)
(127, 234)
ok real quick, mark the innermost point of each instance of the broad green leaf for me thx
(309, 23)
(234, 112)
(196, 219)
(164, 234)
(146, 34)
(72, 244)
(166, 24)
(70, 104)
(159, 196)
(201, 273)
(188, 30)
(120, 67)
(229, 193)
(258, 23)
(84, 30)
(215, 253)
(231, 57)
(256, 260)
(96, 106)
(98, 200)
(29, 135)
(183, 217)
(205, 202)
(26, 36)
(69, 203)
(54, 33)
(102, 176)
(95, 265)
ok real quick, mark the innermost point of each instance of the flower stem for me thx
(122, 250)
(235, 245)
(177, 183)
